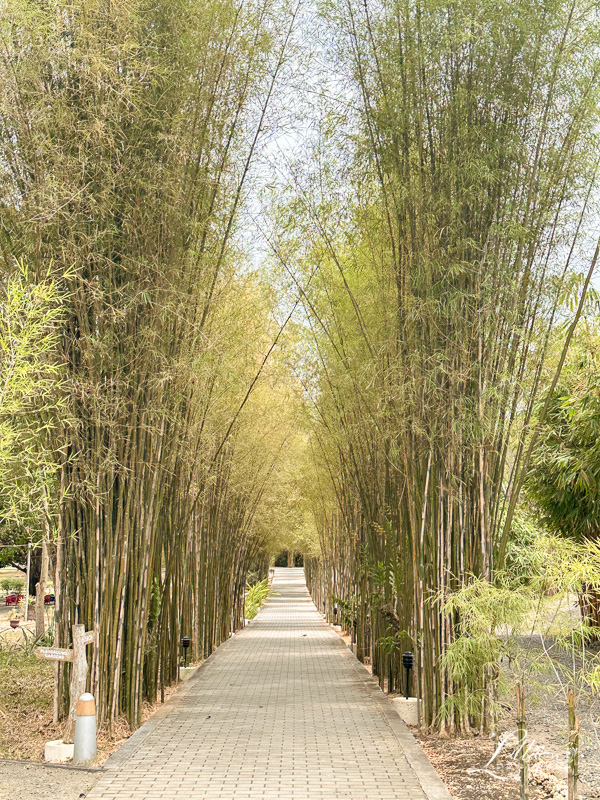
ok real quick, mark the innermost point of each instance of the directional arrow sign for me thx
(54, 653)
(89, 637)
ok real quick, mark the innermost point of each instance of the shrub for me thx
(255, 597)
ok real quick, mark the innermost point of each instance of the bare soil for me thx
(30, 781)
(547, 673)
(460, 762)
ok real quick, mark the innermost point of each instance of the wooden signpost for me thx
(77, 656)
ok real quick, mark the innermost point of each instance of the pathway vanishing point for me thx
(282, 711)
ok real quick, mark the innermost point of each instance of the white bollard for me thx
(84, 749)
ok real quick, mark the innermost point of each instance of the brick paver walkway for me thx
(281, 711)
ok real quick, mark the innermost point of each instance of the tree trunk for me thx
(40, 591)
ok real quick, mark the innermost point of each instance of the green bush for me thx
(12, 585)
(255, 597)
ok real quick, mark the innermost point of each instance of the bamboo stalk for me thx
(573, 755)
(522, 743)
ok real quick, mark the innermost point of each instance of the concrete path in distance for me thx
(281, 711)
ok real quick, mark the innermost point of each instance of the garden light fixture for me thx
(408, 662)
(186, 642)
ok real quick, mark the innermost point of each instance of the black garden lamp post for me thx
(335, 614)
(354, 626)
(408, 662)
(186, 642)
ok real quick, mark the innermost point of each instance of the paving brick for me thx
(281, 711)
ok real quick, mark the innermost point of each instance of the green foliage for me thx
(10, 554)
(525, 551)
(126, 148)
(345, 609)
(564, 479)
(30, 402)
(395, 643)
(524, 624)
(484, 612)
(12, 584)
(26, 645)
(255, 597)
(253, 577)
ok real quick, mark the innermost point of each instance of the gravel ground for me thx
(30, 781)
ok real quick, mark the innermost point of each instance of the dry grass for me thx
(25, 705)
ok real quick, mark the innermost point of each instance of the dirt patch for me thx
(29, 781)
(547, 677)
(460, 762)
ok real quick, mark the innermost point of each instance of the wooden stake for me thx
(573, 757)
(522, 746)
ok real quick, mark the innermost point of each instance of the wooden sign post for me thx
(76, 654)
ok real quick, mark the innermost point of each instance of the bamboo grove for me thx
(364, 386)
(128, 133)
(432, 304)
